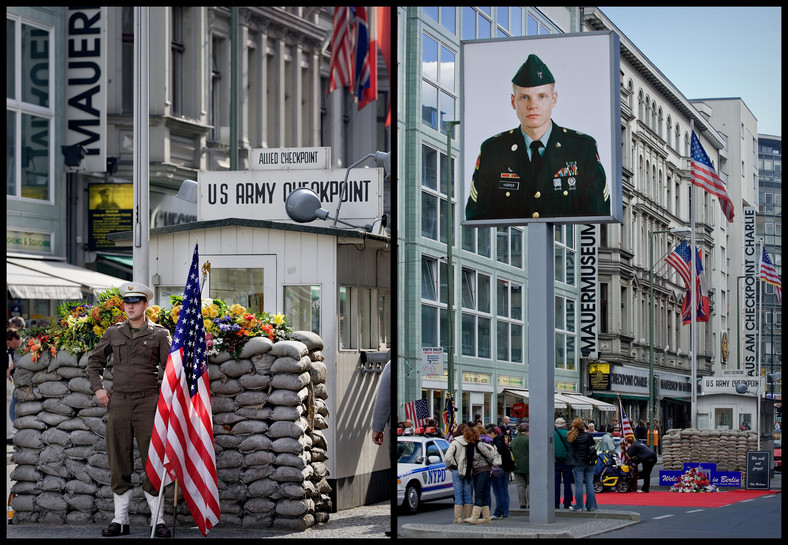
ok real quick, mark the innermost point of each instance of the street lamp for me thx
(677, 231)
(450, 267)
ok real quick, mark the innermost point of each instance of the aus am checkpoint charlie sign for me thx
(261, 193)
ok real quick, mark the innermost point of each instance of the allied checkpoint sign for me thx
(579, 180)
(261, 193)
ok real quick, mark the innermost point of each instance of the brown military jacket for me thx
(136, 361)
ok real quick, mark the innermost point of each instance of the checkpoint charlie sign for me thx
(261, 194)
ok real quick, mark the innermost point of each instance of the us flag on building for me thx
(181, 446)
(626, 428)
(770, 276)
(417, 411)
(341, 69)
(705, 177)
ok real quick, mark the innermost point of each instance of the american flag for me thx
(679, 259)
(340, 74)
(769, 274)
(626, 429)
(417, 411)
(705, 177)
(182, 440)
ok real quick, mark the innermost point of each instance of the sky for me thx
(713, 52)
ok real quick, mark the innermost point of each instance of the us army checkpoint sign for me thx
(261, 194)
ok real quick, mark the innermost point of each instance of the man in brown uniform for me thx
(138, 347)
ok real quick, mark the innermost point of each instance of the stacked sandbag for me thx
(268, 412)
(726, 448)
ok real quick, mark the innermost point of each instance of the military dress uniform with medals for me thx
(571, 180)
(567, 180)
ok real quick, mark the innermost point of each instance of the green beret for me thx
(533, 73)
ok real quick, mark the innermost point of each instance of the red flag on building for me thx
(383, 38)
(181, 445)
(341, 70)
(705, 177)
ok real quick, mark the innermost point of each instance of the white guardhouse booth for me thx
(334, 281)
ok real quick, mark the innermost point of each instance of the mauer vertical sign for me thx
(86, 84)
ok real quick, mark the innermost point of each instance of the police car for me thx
(421, 469)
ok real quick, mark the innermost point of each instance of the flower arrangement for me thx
(38, 341)
(79, 326)
(693, 480)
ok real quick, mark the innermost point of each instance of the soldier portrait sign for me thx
(540, 130)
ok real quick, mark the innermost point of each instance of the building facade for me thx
(769, 228)
(56, 211)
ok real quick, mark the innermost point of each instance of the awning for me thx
(90, 281)
(25, 283)
(560, 403)
(128, 261)
(601, 405)
(574, 402)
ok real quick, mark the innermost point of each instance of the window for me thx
(302, 308)
(509, 246)
(476, 318)
(29, 111)
(242, 286)
(565, 254)
(444, 16)
(509, 334)
(434, 207)
(565, 335)
(177, 50)
(434, 296)
(438, 87)
(364, 318)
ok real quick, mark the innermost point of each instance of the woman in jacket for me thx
(581, 443)
(500, 482)
(463, 487)
(479, 459)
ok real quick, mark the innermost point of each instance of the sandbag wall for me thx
(268, 412)
(727, 448)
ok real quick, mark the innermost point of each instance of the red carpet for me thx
(676, 499)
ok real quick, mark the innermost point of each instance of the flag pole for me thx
(693, 303)
(155, 516)
(174, 507)
(760, 346)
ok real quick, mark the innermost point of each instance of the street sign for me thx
(289, 158)
(432, 361)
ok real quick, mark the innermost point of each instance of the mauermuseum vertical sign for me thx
(589, 292)
(86, 84)
(749, 333)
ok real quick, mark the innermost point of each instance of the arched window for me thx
(641, 113)
(668, 133)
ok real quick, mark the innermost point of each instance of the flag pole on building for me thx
(760, 349)
(693, 303)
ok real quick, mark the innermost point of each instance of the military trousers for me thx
(130, 416)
